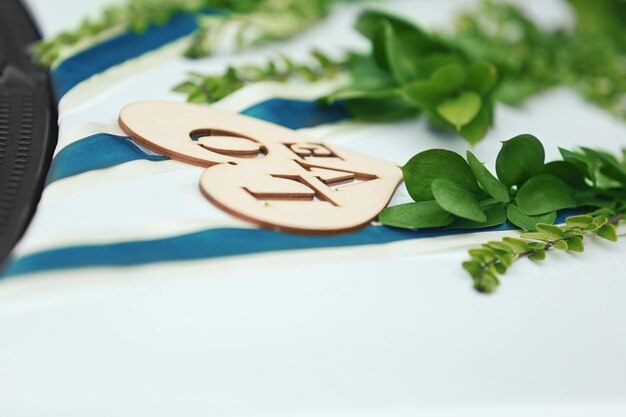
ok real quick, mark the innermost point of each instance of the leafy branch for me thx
(202, 88)
(494, 258)
(134, 15)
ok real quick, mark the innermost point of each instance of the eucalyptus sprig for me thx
(452, 192)
(496, 257)
(203, 88)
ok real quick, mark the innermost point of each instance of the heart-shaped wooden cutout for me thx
(264, 173)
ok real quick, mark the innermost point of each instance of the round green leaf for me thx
(525, 222)
(426, 166)
(428, 93)
(451, 77)
(519, 159)
(485, 178)
(457, 200)
(475, 130)
(496, 215)
(566, 171)
(461, 109)
(544, 193)
(416, 215)
(481, 77)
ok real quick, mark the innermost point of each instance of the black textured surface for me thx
(27, 125)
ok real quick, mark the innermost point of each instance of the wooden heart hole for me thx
(228, 143)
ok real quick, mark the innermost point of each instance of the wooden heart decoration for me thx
(264, 173)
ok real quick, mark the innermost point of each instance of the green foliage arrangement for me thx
(461, 193)
(410, 71)
(496, 54)
(590, 57)
(255, 20)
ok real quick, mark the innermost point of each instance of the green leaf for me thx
(608, 232)
(487, 283)
(399, 60)
(567, 172)
(496, 215)
(581, 221)
(550, 230)
(429, 93)
(457, 200)
(518, 245)
(519, 159)
(483, 254)
(560, 245)
(525, 222)
(592, 198)
(481, 77)
(420, 171)
(535, 236)
(506, 260)
(488, 181)
(609, 165)
(461, 109)
(419, 215)
(575, 244)
(473, 267)
(186, 87)
(538, 255)
(582, 162)
(450, 78)
(543, 194)
(475, 130)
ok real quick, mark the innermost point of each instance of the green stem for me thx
(549, 244)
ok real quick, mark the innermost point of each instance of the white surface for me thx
(372, 331)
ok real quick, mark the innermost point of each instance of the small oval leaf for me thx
(457, 200)
(525, 222)
(543, 194)
(519, 159)
(416, 215)
(489, 182)
(461, 109)
(426, 166)
(496, 215)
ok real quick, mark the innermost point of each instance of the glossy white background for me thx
(352, 332)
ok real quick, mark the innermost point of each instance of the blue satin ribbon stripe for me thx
(103, 150)
(215, 243)
(206, 244)
(117, 50)
(297, 114)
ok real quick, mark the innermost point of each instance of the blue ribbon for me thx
(103, 150)
(117, 50)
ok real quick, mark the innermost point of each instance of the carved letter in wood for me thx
(264, 173)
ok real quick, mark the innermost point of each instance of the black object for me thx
(28, 129)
